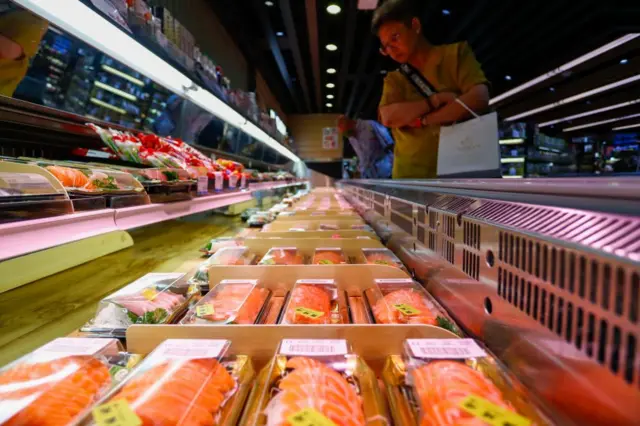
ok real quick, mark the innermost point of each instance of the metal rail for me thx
(554, 291)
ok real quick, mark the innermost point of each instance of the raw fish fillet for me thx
(179, 393)
(328, 258)
(315, 385)
(57, 402)
(381, 259)
(385, 312)
(310, 297)
(240, 303)
(139, 305)
(283, 257)
(70, 178)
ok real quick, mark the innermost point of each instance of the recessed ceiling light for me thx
(332, 47)
(588, 113)
(507, 77)
(329, 105)
(268, 3)
(632, 126)
(564, 69)
(279, 33)
(334, 9)
(446, 12)
(624, 61)
(552, 89)
(330, 85)
(597, 123)
(331, 71)
(329, 96)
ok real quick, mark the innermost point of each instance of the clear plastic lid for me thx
(25, 180)
(404, 301)
(160, 175)
(182, 382)
(229, 256)
(62, 378)
(315, 301)
(329, 256)
(217, 243)
(455, 381)
(230, 302)
(156, 298)
(381, 256)
(93, 180)
(283, 256)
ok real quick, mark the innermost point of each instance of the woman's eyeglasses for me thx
(393, 41)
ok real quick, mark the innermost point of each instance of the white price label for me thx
(68, 346)
(243, 181)
(218, 181)
(313, 347)
(190, 349)
(203, 185)
(315, 281)
(445, 348)
(233, 181)
(393, 281)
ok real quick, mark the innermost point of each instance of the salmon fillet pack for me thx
(315, 381)
(447, 382)
(382, 256)
(329, 256)
(155, 298)
(183, 382)
(404, 301)
(57, 383)
(238, 256)
(316, 301)
(230, 302)
(283, 256)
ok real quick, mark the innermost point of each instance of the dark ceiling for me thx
(515, 41)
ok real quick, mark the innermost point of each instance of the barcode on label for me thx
(394, 281)
(190, 348)
(310, 347)
(445, 348)
(315, 281)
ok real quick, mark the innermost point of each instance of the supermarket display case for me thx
(545, 275)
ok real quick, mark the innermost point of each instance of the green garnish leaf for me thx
(171, 175)
(156, 316)
(106, 183)
(133, 317)
(448, 325)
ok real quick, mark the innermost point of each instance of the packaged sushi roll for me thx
(282, 256)
(230, 302)
(329, 256)
(182, 382)
(57, 383)
(156, 298)
(232, 256)
(447, 382)
(382, 256)
(316, 302)
(316, 382)
(404, 301)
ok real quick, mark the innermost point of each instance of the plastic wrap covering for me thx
(315, 301)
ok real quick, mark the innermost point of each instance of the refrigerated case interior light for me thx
(588, 113)
(631, 126)
(599, 123)
(566, 67)
(575, 97)
(107, 106)
(82, 22)
(115, 91)
(512, 177)
(516, 141)
(512, 160)
(121, 74)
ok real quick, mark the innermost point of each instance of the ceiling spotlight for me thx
(329, 96)
(329, 105)
(552, 89)
(446, 12)
(330, 85)
(268, 3)
(279, 33)
(334, 9)
(331, 71)
(624, 61)
(507, 77)
(332, 47)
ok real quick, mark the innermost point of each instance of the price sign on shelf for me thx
(313, 347)
(407, 310)
(445, 348)
(115, 413)
(203, 185)
(492, 414)
(204, 310)
(309, 313)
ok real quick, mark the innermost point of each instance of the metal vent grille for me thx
(471, 264)
(592, 305)
(471, 240)
(433, 221)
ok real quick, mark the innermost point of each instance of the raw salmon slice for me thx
(57, 403)
(282, 257)
(385, 311)
(328, 257)
(304, 362)
(310, 297)
(381, 259)
(68, 177)
(239, 302)
(278, 410)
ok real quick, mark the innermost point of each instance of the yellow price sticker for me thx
(115, 413)
(325, 262)
(382, 262)
(204, 310)
(309, 313)
(407, 310)
(268, 261)
(149, 293)
(309, 417)
(491, 414)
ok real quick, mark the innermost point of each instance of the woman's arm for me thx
(476, 98)
(402, 114)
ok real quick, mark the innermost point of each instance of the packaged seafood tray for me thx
(165, 185)
(230, 302)
(453, 382)
(316, 224)
(225, 256)
(36, 388)
(182, 382)
(329, 256)
(316, 301)
(156, 298)
(29, 192)
(404, 301)
(283, 256)
(381, 256)
(260, 218)
(217, 243)
(316, 382)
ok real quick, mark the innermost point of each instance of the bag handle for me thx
(425, 88)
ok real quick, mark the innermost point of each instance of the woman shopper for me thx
(451, 70)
